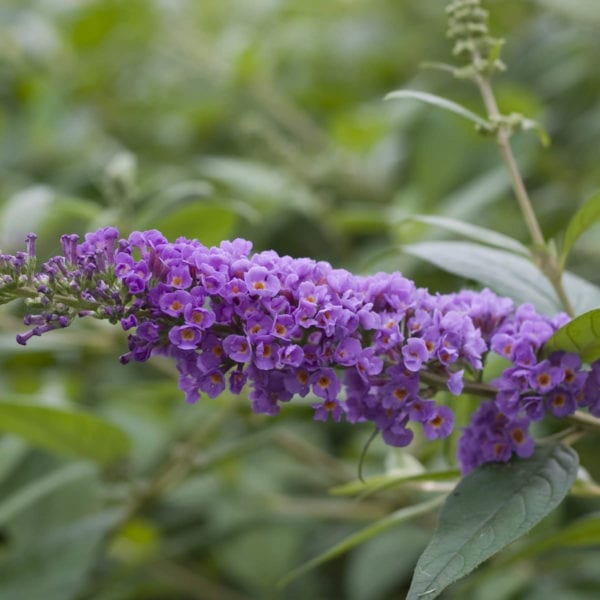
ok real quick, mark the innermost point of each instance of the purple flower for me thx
(174, 303)
(203, 318)
(186, 337)
(456, 383)
(439, 424)
(544, 377)
(325, 384)
(561, 402)
(290, 355)
(238, 348)
(328, 408)
(212, 383)
(179, 277)
(522, 444)
(261, 282)
(397, 435)
(347, 352)
(266, 355)
(414, 354)
(237, 380)
(400, 391)
(297, 382)
(284, 327)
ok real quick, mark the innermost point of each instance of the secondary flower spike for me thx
(369, 348)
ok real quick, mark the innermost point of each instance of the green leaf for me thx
(70, 432)
(55, 525)
(531, 125)
(172, 198)
(581, 533)
(396, 518)
(584, 218)
(490, 508)
(581, 335)
(391, 555)
(40, 209)
(583, 294)
(390, 480)
(12, 451)
(586, 11)
(208, 222)
(440, 102)
(504, 272)
(474, 232)
(35, 491)
(259, 183)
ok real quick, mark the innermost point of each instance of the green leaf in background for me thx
(37, 490)
(54, 523)
(258, 183)
(70, 432)
(584, 218)
(391, 555)
(390, 480)
(208, 222)
(440, 102)
(396, 518)
(581, 335)
(489, 509)
(24, 212)
(584, 295)
(506, 273)
(586, 11)
(171, 198)
(42, 210)
(474, 232)
(583, 532)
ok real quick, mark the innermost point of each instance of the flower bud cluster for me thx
(372, 348)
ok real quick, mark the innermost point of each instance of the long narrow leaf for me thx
(583, 532)
(474, 232)
(506, 273)
(396, 518)
(65, 431)
(26, 496)
(584, 218)
(384, 482)
(440, 102)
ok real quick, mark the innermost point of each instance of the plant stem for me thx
(547, 263)
(585, 419)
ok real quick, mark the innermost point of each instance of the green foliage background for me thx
(265, 119)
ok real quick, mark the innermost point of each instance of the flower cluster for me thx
(373, 348)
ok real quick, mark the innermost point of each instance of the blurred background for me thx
(261, 119)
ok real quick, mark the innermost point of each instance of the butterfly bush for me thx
(369, 348)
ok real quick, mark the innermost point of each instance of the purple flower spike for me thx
(371, 348)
